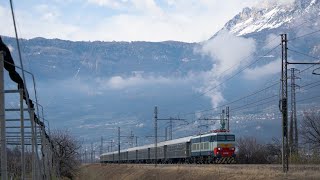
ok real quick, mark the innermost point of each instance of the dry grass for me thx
(195, 172)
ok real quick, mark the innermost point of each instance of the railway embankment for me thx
(196, 172)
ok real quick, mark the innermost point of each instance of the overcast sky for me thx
(120, 20)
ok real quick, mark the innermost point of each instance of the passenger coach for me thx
(214, 147)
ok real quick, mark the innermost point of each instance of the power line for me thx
(239, 71)
(305, 35)
(295, 51)
(254, 93)
(258, 91)
(237, 100)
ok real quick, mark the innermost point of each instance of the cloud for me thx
(271, 41)
(140, 125)
(123, 20)
(119, 82)
(226, 51)
(266, 70)
(41, 21)
(114, 4)
(100, 85)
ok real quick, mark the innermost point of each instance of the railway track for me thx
(232, 166)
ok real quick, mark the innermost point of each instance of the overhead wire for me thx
(275, 83)
(239, 108)
(304, 35)
(240, 71)
(301, 53)
(230, 79)
(264, 55)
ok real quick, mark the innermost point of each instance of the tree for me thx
(65, 153)
(274, 152)
(310, 129)
(250, 151)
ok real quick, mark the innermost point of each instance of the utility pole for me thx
(166, 134)
(293, 138)
(284, 102)
(4, 171)
(91, 154)
(222, 119)
(112, 145)
(23, 165)
(33, 142)
(85, 156)
(284, 99)
(118, 145)
(156, 119)
(156, 134)
(228, 117)
(170, 128)
(94, 155)
(136, 141)
(101, 146)
(131, 139)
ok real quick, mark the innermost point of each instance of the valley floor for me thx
(196, 172)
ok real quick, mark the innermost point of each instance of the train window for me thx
(221, 137)
(213, 138)
(204, 139)
(206, 145)
(196, 140)
(230, 137)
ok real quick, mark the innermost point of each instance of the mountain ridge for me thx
(255, 19)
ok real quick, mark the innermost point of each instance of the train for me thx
(213, 147)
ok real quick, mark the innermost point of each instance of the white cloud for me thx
(129, 20)
(115, 4)
(257, 73)
(118, 82)
(36, 24)
(140, 125)
(271, 41)
(226, 51)
(99, 86)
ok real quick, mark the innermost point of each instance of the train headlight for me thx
(232, 149)
(219, 149)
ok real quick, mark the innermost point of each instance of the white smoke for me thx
(226, 51)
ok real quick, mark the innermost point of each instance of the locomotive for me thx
(214, 147)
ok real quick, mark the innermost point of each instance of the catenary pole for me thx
(118, 145)
(155, 134)
(284, 102)
(4, 172)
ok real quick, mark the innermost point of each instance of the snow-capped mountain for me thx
(273, 16)
(92, 87)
